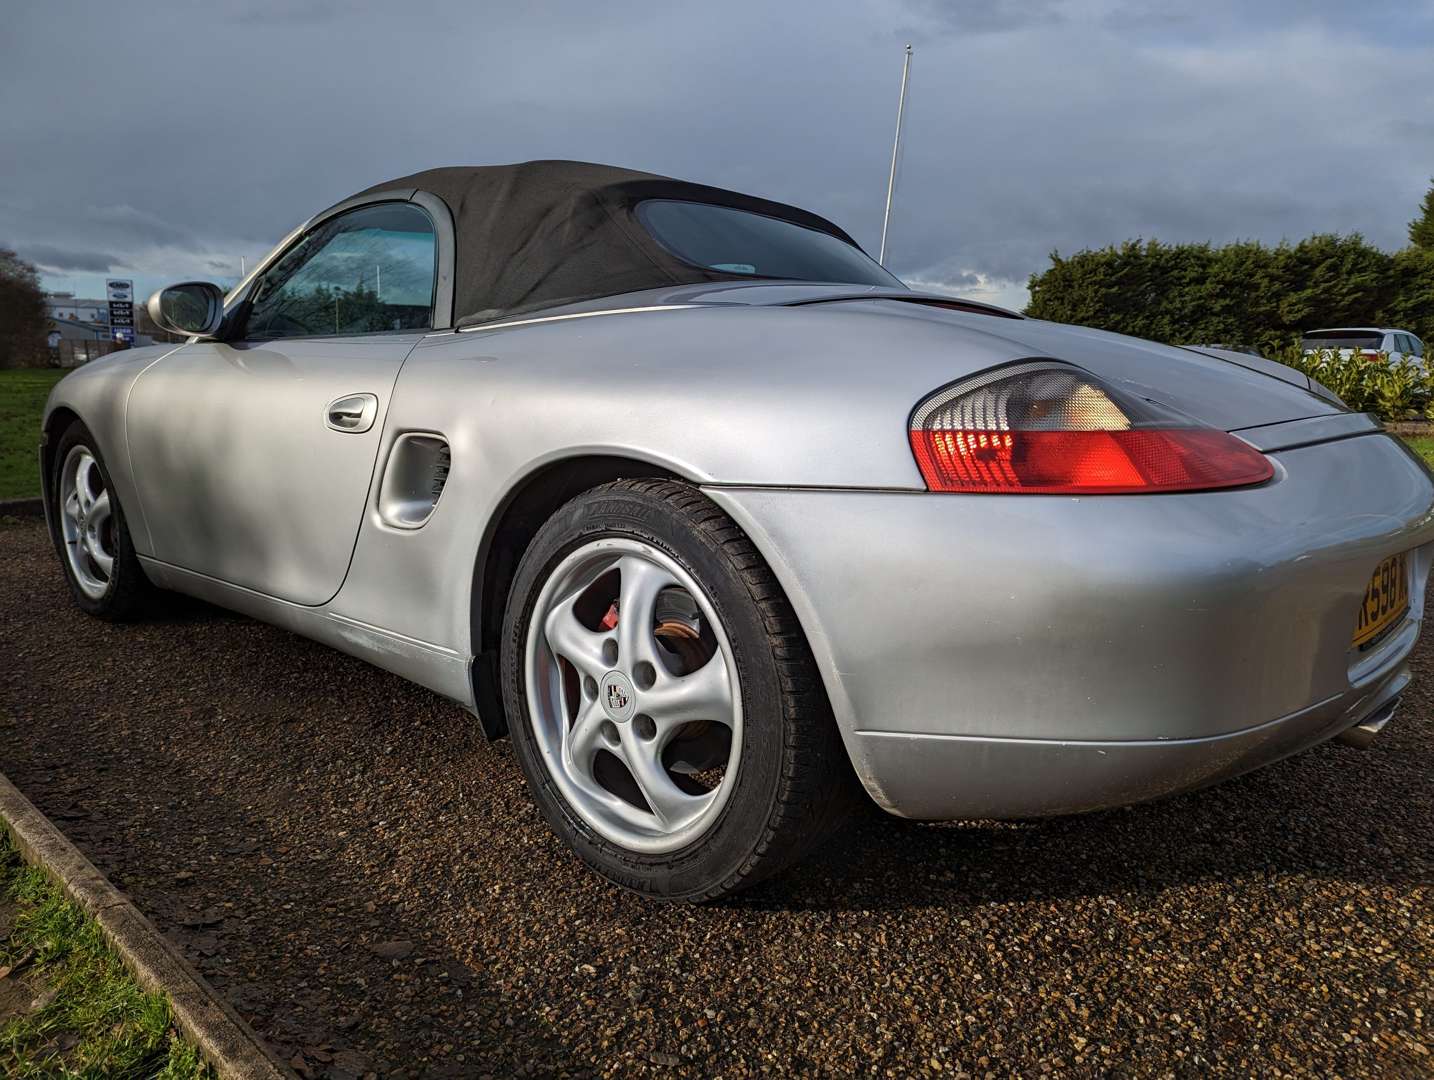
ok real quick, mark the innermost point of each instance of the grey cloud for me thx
(953, 277)
(1096, 215)
(61, 260)
(1228, 20)
(1149, 17)
(1056, 124)
(284, 12)
(1414, 129)
(942, 17)
(139, 226)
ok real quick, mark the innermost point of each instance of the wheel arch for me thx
(531, 500)
(59, 418)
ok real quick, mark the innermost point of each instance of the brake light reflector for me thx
(1048, 428)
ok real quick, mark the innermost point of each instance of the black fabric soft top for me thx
(544, 233)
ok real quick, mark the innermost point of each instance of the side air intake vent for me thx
(442, 462)
(413, 479)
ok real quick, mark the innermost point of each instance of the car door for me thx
(253, 456)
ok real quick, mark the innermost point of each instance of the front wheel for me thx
(91, 534)
(664, 705)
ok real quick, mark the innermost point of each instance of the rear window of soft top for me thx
(734, 241)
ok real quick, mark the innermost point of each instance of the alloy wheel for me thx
(88, 523)
(633, 695)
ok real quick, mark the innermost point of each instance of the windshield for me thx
(740, 242)
(1342, 339)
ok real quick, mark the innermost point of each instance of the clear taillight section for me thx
(1045, 428)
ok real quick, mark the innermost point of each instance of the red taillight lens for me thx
(1045, 428)
(1369, 354)
(1092, 462)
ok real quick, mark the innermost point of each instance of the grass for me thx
(22, 400)
(94, 1021)
(1423, 445)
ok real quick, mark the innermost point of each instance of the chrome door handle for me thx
(353, 414)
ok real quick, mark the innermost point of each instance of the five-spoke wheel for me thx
(87, 522)
(634, 695)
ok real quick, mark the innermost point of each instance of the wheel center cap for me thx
(617, 696)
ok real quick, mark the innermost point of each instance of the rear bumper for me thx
(939, 778)
(1011, 656)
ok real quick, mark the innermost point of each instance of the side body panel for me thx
(813, 396)
(713, 394)
(239, 476)
(97, 393)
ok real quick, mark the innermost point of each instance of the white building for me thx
(63, 305)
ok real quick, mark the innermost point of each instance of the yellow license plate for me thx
(1386, 600)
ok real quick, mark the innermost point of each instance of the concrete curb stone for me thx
(22, 507)
(219, 1033)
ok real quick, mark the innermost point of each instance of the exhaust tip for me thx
(1362, 734)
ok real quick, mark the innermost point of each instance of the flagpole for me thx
(895, 150)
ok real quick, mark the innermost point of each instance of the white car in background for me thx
(1369, 341)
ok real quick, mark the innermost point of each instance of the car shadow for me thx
(1330, 813)
(177, 609)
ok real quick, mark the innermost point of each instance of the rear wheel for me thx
(663, 702)
(91, 534)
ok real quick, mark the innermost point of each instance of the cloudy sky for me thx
(158, 141)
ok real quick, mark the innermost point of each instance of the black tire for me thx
(128, 593)
(794, 784)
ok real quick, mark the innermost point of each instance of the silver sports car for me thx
(723, 524)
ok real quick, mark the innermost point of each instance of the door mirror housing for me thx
(194, 309)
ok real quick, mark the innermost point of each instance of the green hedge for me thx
(1244, 294)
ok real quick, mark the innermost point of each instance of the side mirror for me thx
(194, 309)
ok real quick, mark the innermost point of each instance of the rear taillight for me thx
(1045, 428)
(1369, 354)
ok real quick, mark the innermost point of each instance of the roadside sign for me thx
(121, 299)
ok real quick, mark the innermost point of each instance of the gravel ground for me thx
(344, 857)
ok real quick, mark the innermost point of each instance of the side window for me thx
(1401, 344)
(368, 271)
(1418, 345)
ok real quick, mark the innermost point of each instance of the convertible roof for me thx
(544, 233)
